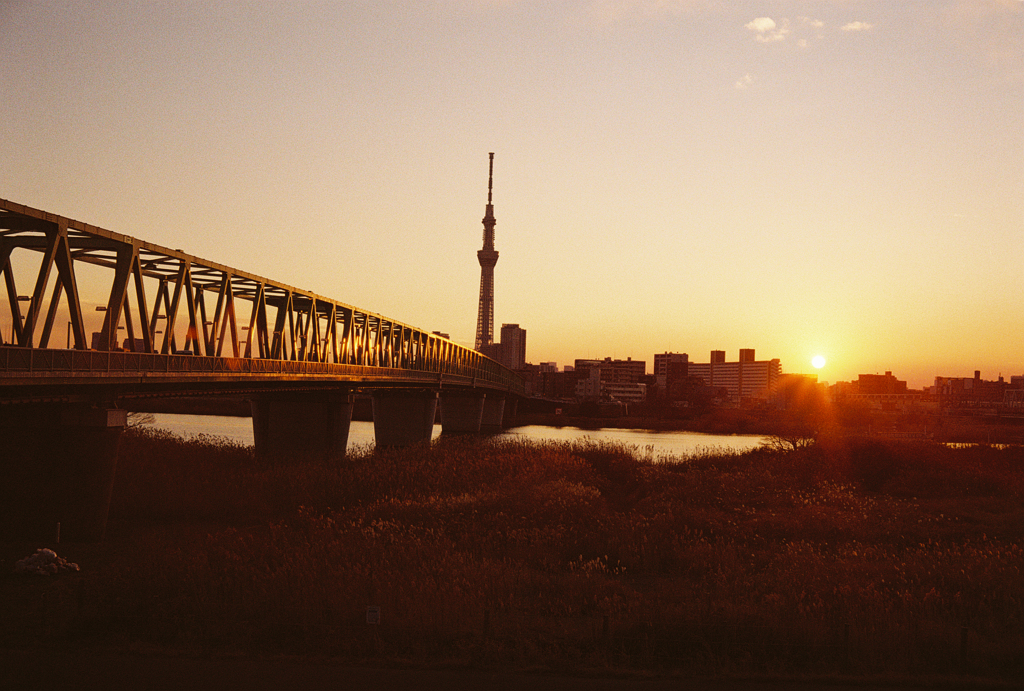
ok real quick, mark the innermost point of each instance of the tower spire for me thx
(490, 178)
(487, 257)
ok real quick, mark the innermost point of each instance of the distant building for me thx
(1013, 397)
(491, 350)
(664, 363)
(610, 379)
(882, 392)
(627, 393)
(512, 350)
(746, 378)
(798, 391)
(628, 371)
(669, 369)
(588, 384)
(880, 384)
(965, 392)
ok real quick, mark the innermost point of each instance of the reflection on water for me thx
(656, 444)
(649, 443)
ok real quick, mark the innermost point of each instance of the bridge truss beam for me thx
(228, 319)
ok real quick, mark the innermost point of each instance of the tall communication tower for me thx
(488, 257)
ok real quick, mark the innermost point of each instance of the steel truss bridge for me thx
(192, 325)
(195, 327)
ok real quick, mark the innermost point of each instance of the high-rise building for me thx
(747, 378)
(512, 350)
(488, 257)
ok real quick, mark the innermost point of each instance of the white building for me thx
(747, 378)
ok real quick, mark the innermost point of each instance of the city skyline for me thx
(826, 177)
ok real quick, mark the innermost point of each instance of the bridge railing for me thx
(20, 362)
(180, 313)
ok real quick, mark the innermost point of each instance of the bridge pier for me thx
(511, 410)
(57, 467)
(493, 414)
(301, 426)
(462, 411)
(403, 417)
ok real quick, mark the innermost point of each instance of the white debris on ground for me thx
(44, 563)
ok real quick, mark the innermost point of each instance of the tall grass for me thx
(853, 558)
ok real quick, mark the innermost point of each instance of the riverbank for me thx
(870, 560)
(939, 428)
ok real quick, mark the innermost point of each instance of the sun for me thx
(818, 361)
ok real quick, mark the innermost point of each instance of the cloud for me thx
(744, 81)
(761, 24)
(767, 30)
(857, 26)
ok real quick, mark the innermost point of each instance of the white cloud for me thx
(761, 24)
(767, 30)
(744, 81)
(857, 26)
(815, 23)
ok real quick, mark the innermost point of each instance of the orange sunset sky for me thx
(833, 177)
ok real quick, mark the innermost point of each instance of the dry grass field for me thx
(850, 558)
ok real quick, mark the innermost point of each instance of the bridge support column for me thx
(403, 417)
(462, 411)
(493, 414)
(511, 410)
(57, 467)
(301, 426)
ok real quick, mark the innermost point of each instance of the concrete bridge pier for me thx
(301, 426)
(511, 410)
(462, 411)
(57, 467)
(403, 417)
(491, 421)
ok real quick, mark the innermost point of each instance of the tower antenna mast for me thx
(487, 257)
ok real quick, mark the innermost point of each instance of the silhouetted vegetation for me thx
(846, 557)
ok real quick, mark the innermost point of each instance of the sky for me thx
(841, 178)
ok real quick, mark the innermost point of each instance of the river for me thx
(648, 442)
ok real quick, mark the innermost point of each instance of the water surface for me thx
(655, 444)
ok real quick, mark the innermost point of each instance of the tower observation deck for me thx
(488, 257)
